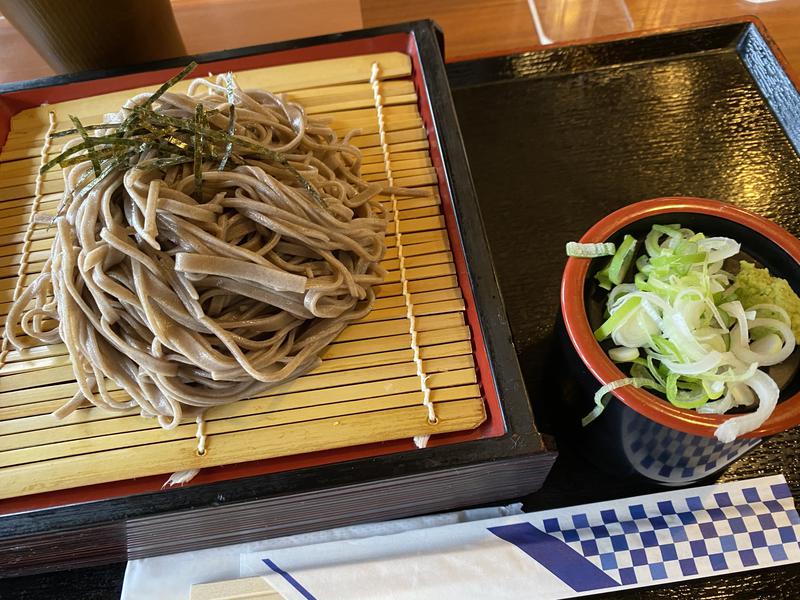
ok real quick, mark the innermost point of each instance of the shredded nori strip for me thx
(157, 94)
(212, 135)
(144, 129)
(112, 165)
(178, 143)
(97, 141)
(90, 151)
(198, 152)
(67, 132)
(222, 137)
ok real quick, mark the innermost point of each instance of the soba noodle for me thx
(189, 292)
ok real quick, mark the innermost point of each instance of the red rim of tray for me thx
(573, 310)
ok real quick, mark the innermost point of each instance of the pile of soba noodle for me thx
(189, 292)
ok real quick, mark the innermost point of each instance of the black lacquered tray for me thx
(559, 138)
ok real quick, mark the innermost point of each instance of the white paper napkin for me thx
(171, 576)
(659, 538)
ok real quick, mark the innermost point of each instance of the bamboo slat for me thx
(250, 588)
(367, 387)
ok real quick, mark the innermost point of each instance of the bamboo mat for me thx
(370, 386)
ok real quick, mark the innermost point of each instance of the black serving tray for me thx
(559, 138)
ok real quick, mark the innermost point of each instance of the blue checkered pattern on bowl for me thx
(672, 456)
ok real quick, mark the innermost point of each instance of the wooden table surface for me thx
(471, 27)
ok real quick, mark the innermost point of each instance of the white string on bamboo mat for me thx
(180, 477)
(201, 435)
(420, 440)
(32, 222)
(185, 476)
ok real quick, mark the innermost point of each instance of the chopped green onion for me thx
(602, 279)
(616, 269)
(590, 250)
(622, 260)
(617, 318)
(602, 396)
(623, 354)
(686, 332)
(714, 389)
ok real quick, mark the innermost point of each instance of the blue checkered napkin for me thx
(730, 527)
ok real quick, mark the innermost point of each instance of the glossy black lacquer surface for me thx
(558, 139)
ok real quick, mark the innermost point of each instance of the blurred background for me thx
(472, 27)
